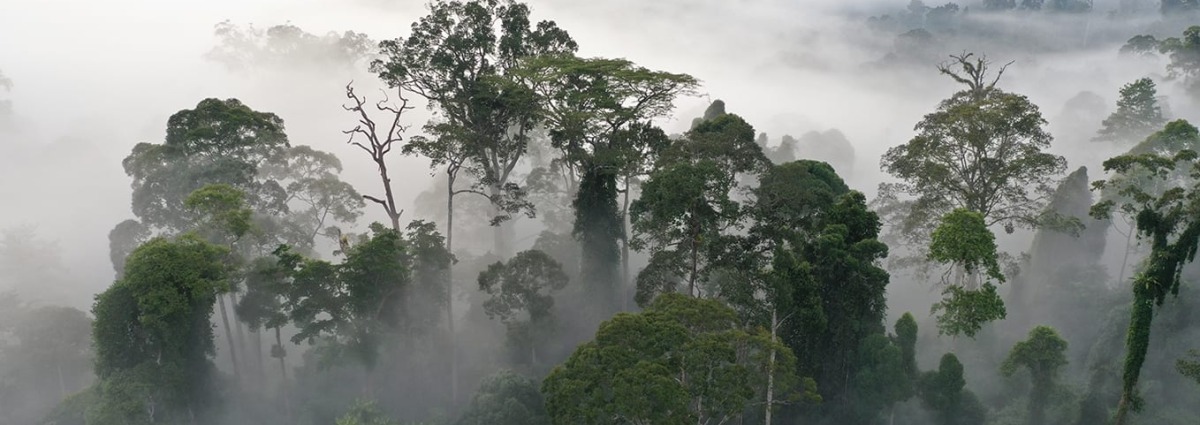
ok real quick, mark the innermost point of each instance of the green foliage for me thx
(943, 392)
(506, 398)
(350, 305)
(906, 338)
(964, 241)
(881, 378)
(1184, 52)
(460, 57)
(522, 296)
(1167, 209)
(587, 105)
(681, 361)
(963, 311)
(365, 412)
(1190, 367)
(152, 335)
(984, 150)
(222, 208)
(1043, 355)
(1137, 115)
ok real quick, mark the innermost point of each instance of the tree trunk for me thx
(771, 368)
(283, 382)
(500, 243)
(1128, 248)
(237, 324)
(625, 280)
(450, 290)
(237, 375)
(390, 206)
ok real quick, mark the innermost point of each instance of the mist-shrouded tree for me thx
(506, 398)
(587, 104)
(1190, 367)
(1042, 354)
(1184, 53)
(687, 210)
(999, 4)
(317, 198)
(459, 57)
(365, 412)
(968, 247)
(1141, 45)
(1177, 7)
(218, 142)
(377, 139)
(1167, 211)
(152, 336)
(349, 309)
(683, 360)
(1137, 115)
(984, 150)
(286, 47)
(943, 392)
(6, 85)
(221, 215)
(522, 296)
(45, 357)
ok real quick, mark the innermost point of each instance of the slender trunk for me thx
(499, 237)
(625, 281)
(771, 368)
(695, 260)
(1125, 261)
(237, 374)
(237, 325)
(283, 382)
(393, 213)
(450, 290)
(258, 355)
(62, 383)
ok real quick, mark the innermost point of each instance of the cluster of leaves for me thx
(1043, 355)
(1183, 52)
(1167, 210)
(681, 361)
(152, 335)
(1137, 115)
(522, 297)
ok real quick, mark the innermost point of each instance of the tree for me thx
(286, 47)
(982, 150)
(506, 398)
(316, 196)
(943, 392)
(220, 141)
(586, 104)
(999, 4)
(1041, 354)
(1184, 53)
(1142, 45)
(221, 215)
(1137, 113)
(365, 412)
(152, 335)
(1176, 7)
(964, 242)
(686, 207)
(459, 58)
(45, 357)
(1168, 216)
(523, 288)
(351, 306)
(378, 143)
(683, 360)
(1190, 367)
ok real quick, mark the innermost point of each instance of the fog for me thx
(91, 79)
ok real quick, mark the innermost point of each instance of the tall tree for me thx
(984, 150)
(684, 360)
(524, 287)
(587, 103)
(377, 140)
(459, 58)
(1184, 52)
(152, 335)
(687, 208)
(1137, 115)
(506, 398)
(943, 392)
(1168, 216)
(1042, 354)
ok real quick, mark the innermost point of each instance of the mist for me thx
(82, 84)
